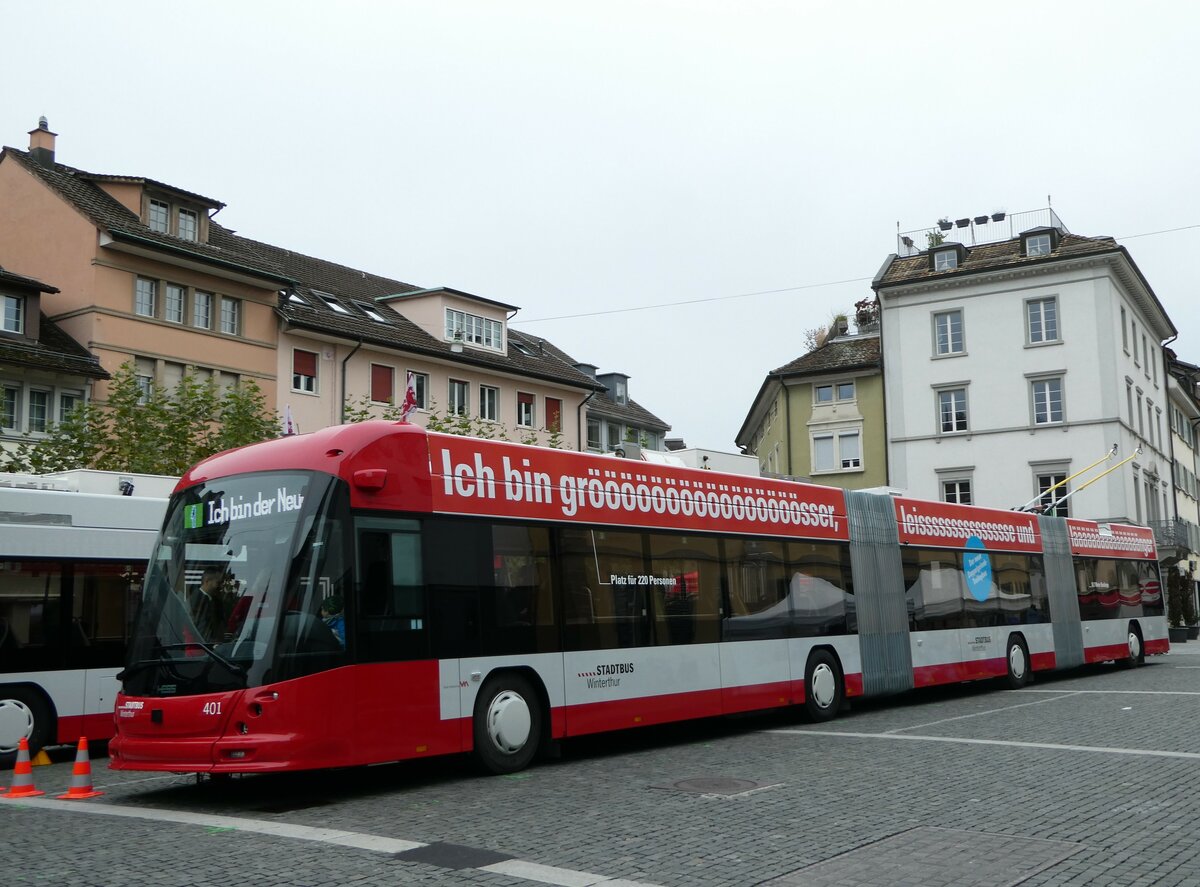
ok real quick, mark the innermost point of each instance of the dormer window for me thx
(947, 257)
(371, 313)
(160, 217)
(474, 330)
(621, 392)
(188, 225)
(1039, 242)
(1038, 245)
(13, 318)
(945, 260)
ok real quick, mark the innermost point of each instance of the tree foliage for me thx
(163, 433)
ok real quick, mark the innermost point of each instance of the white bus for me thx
(73, 551)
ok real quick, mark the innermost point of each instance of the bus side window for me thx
(390, 616)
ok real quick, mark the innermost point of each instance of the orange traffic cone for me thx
(81, 776)
(22, 784)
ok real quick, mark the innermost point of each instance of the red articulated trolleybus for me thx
(374, 592)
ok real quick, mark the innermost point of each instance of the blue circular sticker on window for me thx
(977, 566)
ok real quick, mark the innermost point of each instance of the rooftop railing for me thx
(974, 230)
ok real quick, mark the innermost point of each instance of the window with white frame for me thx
(525, 417)
(1124, 332)
(421, 388)
(202, 310)
(836, 451)
(459, 398)
(489, 402)
(1129, 400)
(10, 406)
(231, 315)
(593, 435)
(144, 296)
(188, 227)
(143, 374)
(1133, 327)
(948, 332)
(834, 391)
(1041, 320)
(945, 260)
(304, 371)
(474, 330)
(1146, 355)
(160, 217)
(614, 436)
(1141, 420)
(174, 303)
(1049, 492)
(1047, 400)
(12, 318)
(1037, 245)
(957, 491)
(952, 410)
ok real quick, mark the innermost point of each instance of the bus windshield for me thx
(244, 587)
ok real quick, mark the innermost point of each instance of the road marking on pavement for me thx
(1053, 746)
(516, 868)
(979, 714)
(1124, 692)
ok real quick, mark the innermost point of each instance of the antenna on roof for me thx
(1048, 203)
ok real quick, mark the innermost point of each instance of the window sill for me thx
(1049, 344)
(307, 393)
(950, 355)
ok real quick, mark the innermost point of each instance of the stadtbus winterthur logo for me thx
(193, 516)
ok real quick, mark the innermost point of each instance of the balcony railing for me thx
(990, 228)
(1175, 534)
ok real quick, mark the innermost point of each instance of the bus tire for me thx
(508, 723)
(823, 691)
(24, 712)
(1019, 668)
(1137, 650)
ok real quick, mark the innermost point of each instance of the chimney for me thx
(41, 143)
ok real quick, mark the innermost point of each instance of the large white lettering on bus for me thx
(1110, 540)
(946, 525)
(490, 478)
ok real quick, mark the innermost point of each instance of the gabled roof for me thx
(850, 353)
(54, 350)
(79, 188)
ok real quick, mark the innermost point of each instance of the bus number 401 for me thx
(212, 708)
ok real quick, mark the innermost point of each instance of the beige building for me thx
(144, 272)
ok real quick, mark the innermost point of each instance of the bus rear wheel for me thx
(1018, 664)
(822, 686)
(23, 715)
(508, 724)
(1137, 653)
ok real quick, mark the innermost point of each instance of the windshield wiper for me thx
(238, 670)
(137, 667)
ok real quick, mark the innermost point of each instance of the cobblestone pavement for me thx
(1088, 778)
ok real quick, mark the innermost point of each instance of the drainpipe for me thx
(344, 360)
(582, 441)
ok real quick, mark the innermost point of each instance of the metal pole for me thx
(1059, 502)
(1067, 480)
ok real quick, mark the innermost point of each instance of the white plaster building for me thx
(1012, 364)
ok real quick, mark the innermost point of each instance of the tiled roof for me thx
(603, 406)
(23, 282)
(80, 189)
(54, 350)
(991, 257)
(836, 354)
(347, 286)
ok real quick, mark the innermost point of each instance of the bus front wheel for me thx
(1137, 653)
(822, 686)
(508, 724)
(23, 715)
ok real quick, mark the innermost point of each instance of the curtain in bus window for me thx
(1010, 574)
(819, 589)
(32, 635)
(684, 584)
(759, 607)
(934, 588)
(1129, 589)
(518, 605)
(1099, 588)
(604, 607)
(391, 623)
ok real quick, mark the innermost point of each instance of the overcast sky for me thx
(673, 190)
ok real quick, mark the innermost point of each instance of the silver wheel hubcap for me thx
(824, 685)
(16, 723)
(1135, 646)
(509, 721)
(1016, 661)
